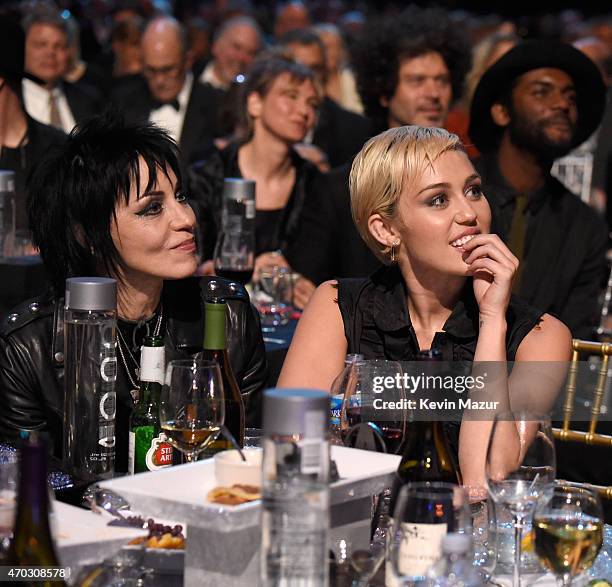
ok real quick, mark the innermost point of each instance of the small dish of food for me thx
(230, 469)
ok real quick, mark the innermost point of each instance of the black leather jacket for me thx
(32, 357)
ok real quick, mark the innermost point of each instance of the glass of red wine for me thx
(234, 256)
(371, 417)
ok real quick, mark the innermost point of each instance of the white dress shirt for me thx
(170, 119)
(208, 76)
(36, 101)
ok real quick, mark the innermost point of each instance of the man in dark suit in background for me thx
(23, 143)
(46, 97)
(235, 46)
(535, 104)
(167, 94)
(339, 133)
(408, 69)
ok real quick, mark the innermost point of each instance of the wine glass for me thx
(520, 466)
(568, 524)
(273, 295)
(423, 514)
(192, 406)
(481, 519)
(234, 255)
(366, 421)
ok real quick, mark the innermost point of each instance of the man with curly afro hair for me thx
(409, 69)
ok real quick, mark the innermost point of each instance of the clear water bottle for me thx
(455, 568)
(348, 379)
(90, 405)
(234, 254)
(7, 212)
(295, 512)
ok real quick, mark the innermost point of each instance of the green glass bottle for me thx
(215, 349)
(149, 449)
(427, 456)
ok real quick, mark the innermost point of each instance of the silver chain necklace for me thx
(135, 391)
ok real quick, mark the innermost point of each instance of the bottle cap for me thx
(296, 411)
(453, 543)
(7, 180)
(235, 188)
(91, 293)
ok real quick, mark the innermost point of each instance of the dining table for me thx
(84, 539)
(88, 538)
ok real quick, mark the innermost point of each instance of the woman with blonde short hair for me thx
(417, 202)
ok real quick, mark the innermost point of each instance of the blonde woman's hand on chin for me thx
(492, 266)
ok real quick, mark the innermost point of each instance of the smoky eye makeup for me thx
(150, 204)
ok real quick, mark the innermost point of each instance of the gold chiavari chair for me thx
(590, 437)
(604, 330)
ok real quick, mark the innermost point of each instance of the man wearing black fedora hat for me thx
(535, 104)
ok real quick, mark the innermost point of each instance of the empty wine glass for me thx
(520, 466)
(481, 513)
(192, 406)
(273, 295)
(568, 524)
(423, 514)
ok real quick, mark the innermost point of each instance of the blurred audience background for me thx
(186, 65)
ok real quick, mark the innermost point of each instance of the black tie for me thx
(174, 103)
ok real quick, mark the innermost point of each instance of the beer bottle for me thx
(149, 449)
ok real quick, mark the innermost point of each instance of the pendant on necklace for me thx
(135, 393)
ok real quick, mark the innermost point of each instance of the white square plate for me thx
(179, 492)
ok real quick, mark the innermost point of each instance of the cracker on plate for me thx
(234, 495)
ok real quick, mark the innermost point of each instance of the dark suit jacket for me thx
(564, 258)
(340, 133)
(327, 244)
(22, 160)
(84, 100)
(134, 99)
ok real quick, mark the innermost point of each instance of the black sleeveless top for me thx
(377, 324)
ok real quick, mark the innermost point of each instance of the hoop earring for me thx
(394, 245)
